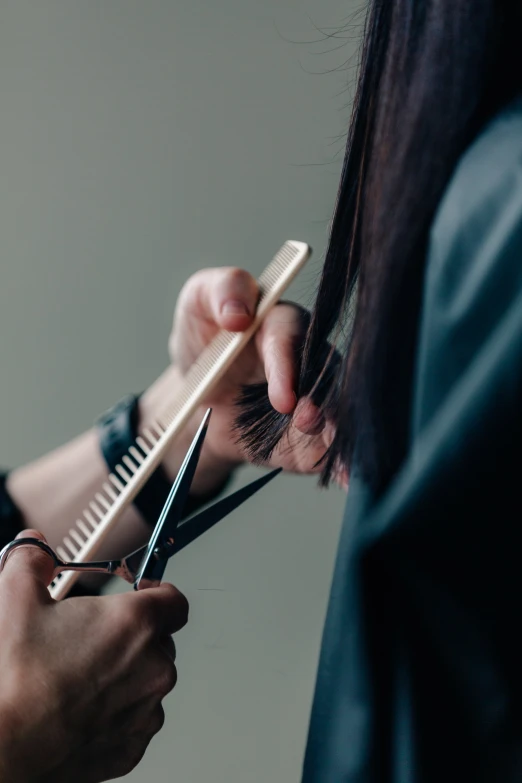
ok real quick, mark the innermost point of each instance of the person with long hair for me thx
(404, 384)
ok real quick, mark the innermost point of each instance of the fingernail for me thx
(235, 307)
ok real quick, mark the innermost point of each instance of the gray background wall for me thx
(140, 141)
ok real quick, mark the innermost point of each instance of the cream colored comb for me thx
(145, 456)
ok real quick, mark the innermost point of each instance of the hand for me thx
(82, 680)
(225, 298)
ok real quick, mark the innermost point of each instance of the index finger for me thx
(278, 341)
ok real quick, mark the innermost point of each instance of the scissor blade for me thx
(200, 523)
(153, 567)
(174, 506)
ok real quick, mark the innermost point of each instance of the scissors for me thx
(146, 566)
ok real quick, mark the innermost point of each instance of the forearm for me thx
(53, 491)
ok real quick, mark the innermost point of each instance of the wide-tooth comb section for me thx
(80, 524)
(110, 491)
(62, 553)
(97, 510)
(130, 464)
(70, 546)
(136, 455)
(90, 519)
(117, 483)
(75, 536)
(102, 500)
(145, 455)
(143, 445)
(123, 473)
(146, 433)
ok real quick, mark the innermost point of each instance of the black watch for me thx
(118, 430)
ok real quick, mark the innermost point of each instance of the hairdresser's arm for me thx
(53, 491)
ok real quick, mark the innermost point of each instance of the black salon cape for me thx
(420, 677)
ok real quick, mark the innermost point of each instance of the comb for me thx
(146, 454)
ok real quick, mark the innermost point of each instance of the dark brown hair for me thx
(431, 73)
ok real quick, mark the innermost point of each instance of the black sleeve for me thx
(12, 522)
(11, 519)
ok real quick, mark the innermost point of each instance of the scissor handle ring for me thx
(24, 542)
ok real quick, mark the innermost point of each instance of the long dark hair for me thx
(431, 73)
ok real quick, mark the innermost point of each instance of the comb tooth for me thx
(76, 536)
(143, 445)
(83, 527)
(70, 546)
(129, 464)
(103, 501)
(90, 519)
(123, 473)
(110, 491)
(150, 437)
(97, 510)
(136, 455)
(62, 553)
(280, 267)
(117, 483)
(159, 430)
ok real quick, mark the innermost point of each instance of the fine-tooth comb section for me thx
(146, 453)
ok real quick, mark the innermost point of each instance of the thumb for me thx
(30, 562)
(227, 296)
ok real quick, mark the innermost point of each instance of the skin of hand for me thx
(225, 298)
(82, 680)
